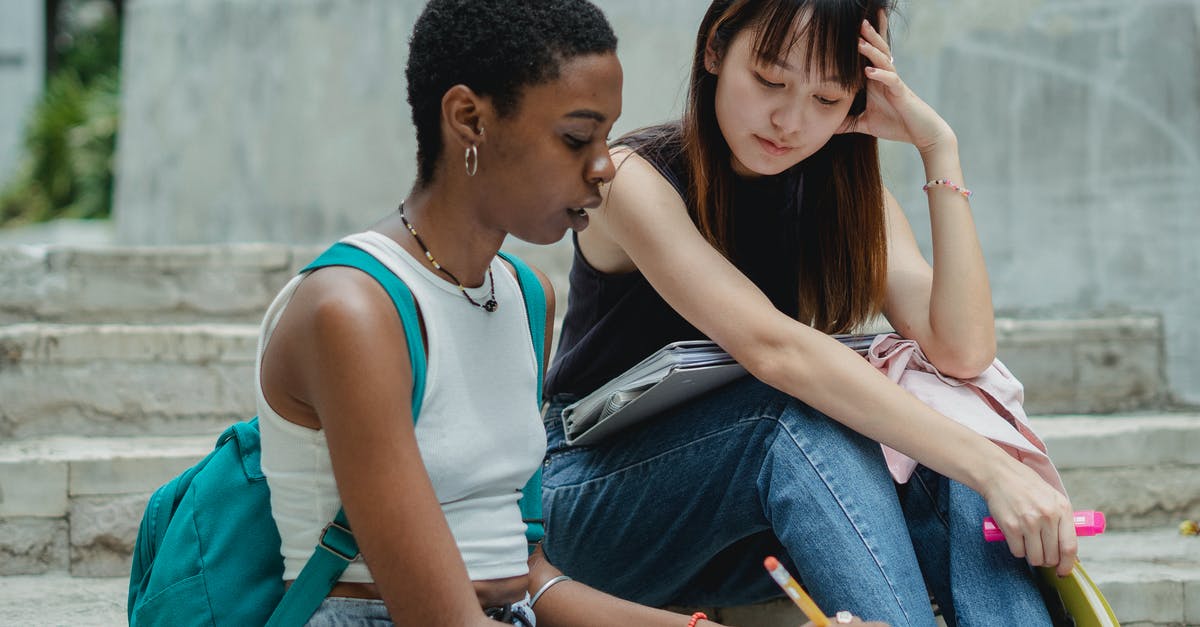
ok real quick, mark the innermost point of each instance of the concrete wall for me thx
(1079, 122)
(247, 120)
(22, 71)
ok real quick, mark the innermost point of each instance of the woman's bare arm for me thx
(573, 604)
(946, 308)
(351, 366)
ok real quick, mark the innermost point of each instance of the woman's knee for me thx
(809, 428)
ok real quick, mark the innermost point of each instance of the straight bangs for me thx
(829, 31)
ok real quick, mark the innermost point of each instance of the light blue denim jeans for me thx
(682, 509)
(344, 612)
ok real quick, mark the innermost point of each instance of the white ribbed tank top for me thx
(479, 433)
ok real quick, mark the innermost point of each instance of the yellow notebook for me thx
(1082, 599)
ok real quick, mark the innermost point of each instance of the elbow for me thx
(775, 361)
(763, 364)
(962, 351)
(965, 361)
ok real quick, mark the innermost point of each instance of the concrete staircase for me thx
(119, 367)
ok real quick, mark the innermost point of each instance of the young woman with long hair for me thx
(760, 221)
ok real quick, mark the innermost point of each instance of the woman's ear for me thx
(860, 102)
(463, 113)
(712, 58)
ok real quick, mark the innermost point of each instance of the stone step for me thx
(1086, 365)
(224, 283)
(74, 503)
(1151, 578)
(60, 600)
(1141, 470)
(129, 379)
(174, 284)
(124, 379)
(1073, 365)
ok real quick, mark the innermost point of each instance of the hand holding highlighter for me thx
(1087, 523)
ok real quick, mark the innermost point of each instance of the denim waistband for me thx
(561, 400)
(552, 420)
(347, 612)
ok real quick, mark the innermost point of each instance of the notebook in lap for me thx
(675, 373)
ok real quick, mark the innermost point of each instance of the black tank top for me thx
(614, 321)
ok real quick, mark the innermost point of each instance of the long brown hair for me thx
(843, 239)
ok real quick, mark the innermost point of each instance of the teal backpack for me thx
(207, 550)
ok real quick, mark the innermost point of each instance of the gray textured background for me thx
(286, 121)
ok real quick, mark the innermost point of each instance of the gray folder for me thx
(675, 373)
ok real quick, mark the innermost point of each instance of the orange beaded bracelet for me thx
(697, 617)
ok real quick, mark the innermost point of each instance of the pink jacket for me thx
(989, 404)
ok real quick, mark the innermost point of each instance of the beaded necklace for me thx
(489, 306)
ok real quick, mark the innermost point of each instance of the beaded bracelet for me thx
(697, 617)
(948, 183)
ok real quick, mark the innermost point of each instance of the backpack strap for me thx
(342, 254)
(535, 310)
(337, 547)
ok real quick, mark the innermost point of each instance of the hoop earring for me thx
(471, 159)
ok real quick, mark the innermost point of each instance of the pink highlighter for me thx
(1087, 523)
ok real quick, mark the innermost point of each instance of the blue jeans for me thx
(346, 612)
(683, 508)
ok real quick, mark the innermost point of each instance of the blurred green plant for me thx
(67, 168)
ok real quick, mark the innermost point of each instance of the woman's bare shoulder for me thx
(638, 182)
(637, 194)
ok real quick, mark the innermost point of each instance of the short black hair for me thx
(495, 47)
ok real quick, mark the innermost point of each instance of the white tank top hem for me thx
(479, 406)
